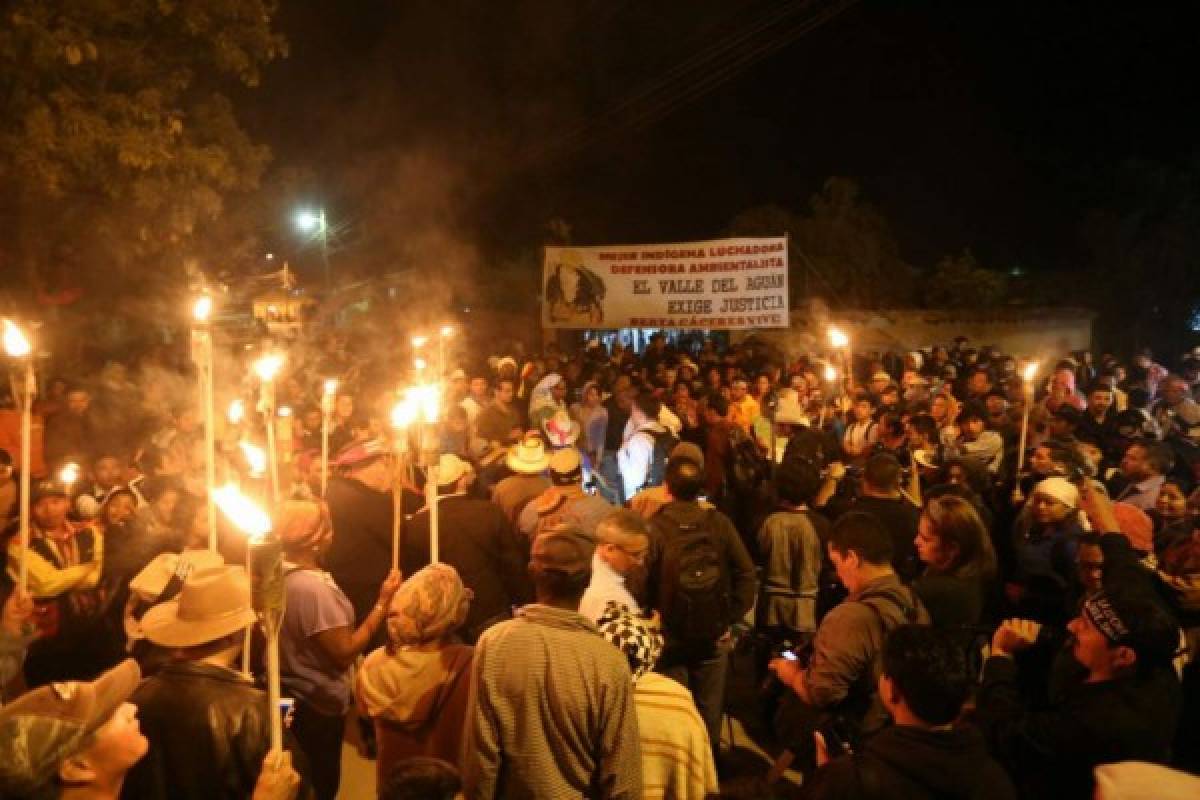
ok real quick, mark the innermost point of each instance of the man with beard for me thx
(1125, 709)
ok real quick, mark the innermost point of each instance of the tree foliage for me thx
(842, 249)
(960, 282)
(118, 139)
(1143, 248)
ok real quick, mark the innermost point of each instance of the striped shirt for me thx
(677, 759)
(551, 712)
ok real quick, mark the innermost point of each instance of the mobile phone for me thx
(790, 655)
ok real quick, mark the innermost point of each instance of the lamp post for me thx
(202, 354)
(17, 346)
(267, 368)
(314, 222)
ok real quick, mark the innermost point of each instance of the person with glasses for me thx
(622, 542)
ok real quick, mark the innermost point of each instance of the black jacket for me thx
(905, 763)
(361, 554)
(208, 731)
(476, 539)
(1052, 753)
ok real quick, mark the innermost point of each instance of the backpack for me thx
(664, 443)
(747, 467)
(694, 583)
(807, 446)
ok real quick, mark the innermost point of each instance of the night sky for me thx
(987, 125)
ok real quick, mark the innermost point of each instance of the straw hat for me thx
(528, 457)
(152, 580)
(561, 430)
(451, 469)
(214, 603)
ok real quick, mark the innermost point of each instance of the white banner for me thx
(724, 283)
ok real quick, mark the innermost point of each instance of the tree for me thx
(1143, 246)
(842, 249)
(960, 282)
(119, 144)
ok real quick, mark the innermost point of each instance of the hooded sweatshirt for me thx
(418, 701)
(906, 763)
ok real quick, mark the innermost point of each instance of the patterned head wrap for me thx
(429, 606)
(640, 639)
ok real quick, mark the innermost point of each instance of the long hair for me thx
(958, 526)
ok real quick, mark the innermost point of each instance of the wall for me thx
(1041, 332)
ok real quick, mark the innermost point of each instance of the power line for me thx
(694, 77)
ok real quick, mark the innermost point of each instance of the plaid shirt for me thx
(551, 712)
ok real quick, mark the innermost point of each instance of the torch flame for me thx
(236, 412)
(202, 308)
(427, 396)
(419, 341)
(68, 474)
(403, 413)
(331, 386)
(419, 363)
(256, 458)
(837, 338)
(447, 331)
(830, 374)
(1030, 370)
(284, 411)
(268, 366)
(15, 343)
(242, 512)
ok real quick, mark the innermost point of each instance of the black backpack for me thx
(664, 443)
(694, 585)
(747, 466)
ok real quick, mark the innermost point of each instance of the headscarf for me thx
(1059, 489)
(301, 523)
(429, 606)
(542, 397)
(640, 639)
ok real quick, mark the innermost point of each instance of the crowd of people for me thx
(953, 575)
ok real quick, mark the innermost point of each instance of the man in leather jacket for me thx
(207, 724)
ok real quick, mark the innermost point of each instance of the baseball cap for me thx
(687, 452)
(47, 487)
(565, 548)
(44, 727)
(566, 461)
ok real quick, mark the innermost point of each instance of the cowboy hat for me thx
(790, 412)
(528, 456)
(213, 604)
(560, 429)
(154, 577)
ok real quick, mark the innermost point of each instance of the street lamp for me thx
(309, 221)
